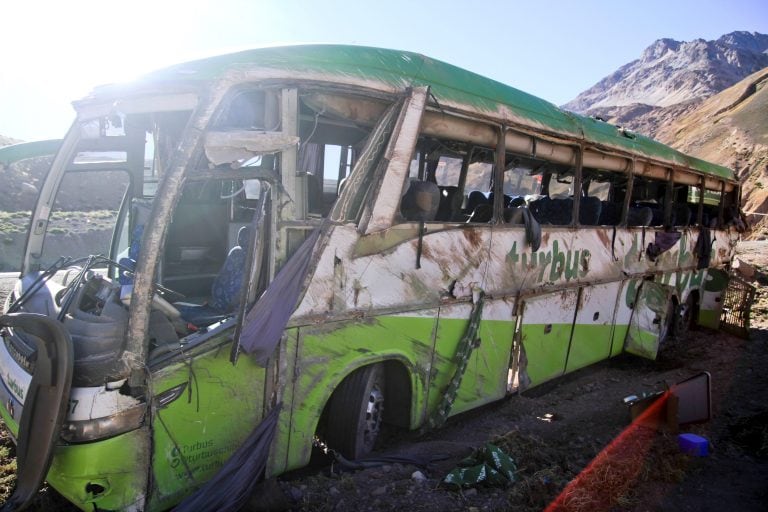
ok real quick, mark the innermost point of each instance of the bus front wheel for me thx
(355, 412)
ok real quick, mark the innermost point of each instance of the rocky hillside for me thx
(730, 128)
(671, 72)
(706, 98)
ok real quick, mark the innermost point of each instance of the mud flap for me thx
(45, 406)
(649, 319)
(711, 306)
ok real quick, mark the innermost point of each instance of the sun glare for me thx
(80, 45)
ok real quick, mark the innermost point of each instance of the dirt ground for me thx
(555, 431)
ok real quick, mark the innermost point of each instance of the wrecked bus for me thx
(363, 236)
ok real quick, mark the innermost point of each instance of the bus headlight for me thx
(102, 428)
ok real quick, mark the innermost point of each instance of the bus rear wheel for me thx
(355, 412)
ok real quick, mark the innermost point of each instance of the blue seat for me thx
(681, 215)
(225, 291)
(639, 216)
(133, 254)
(475, 199)
(610, 213)
(589, 211)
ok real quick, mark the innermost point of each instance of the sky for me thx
(54, 52)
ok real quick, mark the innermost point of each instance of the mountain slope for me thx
(670, 72)
(7, 141)
(731, 128)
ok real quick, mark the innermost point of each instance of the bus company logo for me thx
(552, 265)
(14, 386)
(189, 451)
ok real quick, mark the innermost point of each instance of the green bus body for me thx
(381, 289)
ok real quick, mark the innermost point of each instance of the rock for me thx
(379, 491)
(268, 496)
(418, 476)
(334, 491)
(470, 492)
(296, 493)
(743, 268)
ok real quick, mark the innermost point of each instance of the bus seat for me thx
(589, 211)
(474, 199)
(657, 212)
(514, 215)
(681, 215)
(225, 292)
(539, 209)
(481, 213)
(561, 211)
(554, 211)
(421, 201)
(516, 201)
(610, 213)
(448, 207)
(129, 262)
(639, 216)
(140, 211)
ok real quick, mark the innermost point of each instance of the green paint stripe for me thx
(590, 344)
(545, 352)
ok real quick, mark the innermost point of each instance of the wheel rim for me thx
(373, 414)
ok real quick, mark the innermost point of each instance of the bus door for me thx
(649, 322)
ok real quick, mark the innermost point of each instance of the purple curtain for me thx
(265, 322)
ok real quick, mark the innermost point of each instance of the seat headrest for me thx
(421, 201)
(243, 235)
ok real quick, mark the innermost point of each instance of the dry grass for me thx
(7, 464)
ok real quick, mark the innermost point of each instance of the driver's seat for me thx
(225, 291)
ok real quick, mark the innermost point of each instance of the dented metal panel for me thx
(546, 327)
(650, 318)
(386, 202)
(593, 326)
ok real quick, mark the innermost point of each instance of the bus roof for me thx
(449, 84)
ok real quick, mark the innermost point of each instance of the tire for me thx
(355, 412)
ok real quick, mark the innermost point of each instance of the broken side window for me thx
(603, 197)
(554, 204)
(648, 195)
(454, 178)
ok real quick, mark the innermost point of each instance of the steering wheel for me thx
(165, 307)
(158, 302)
